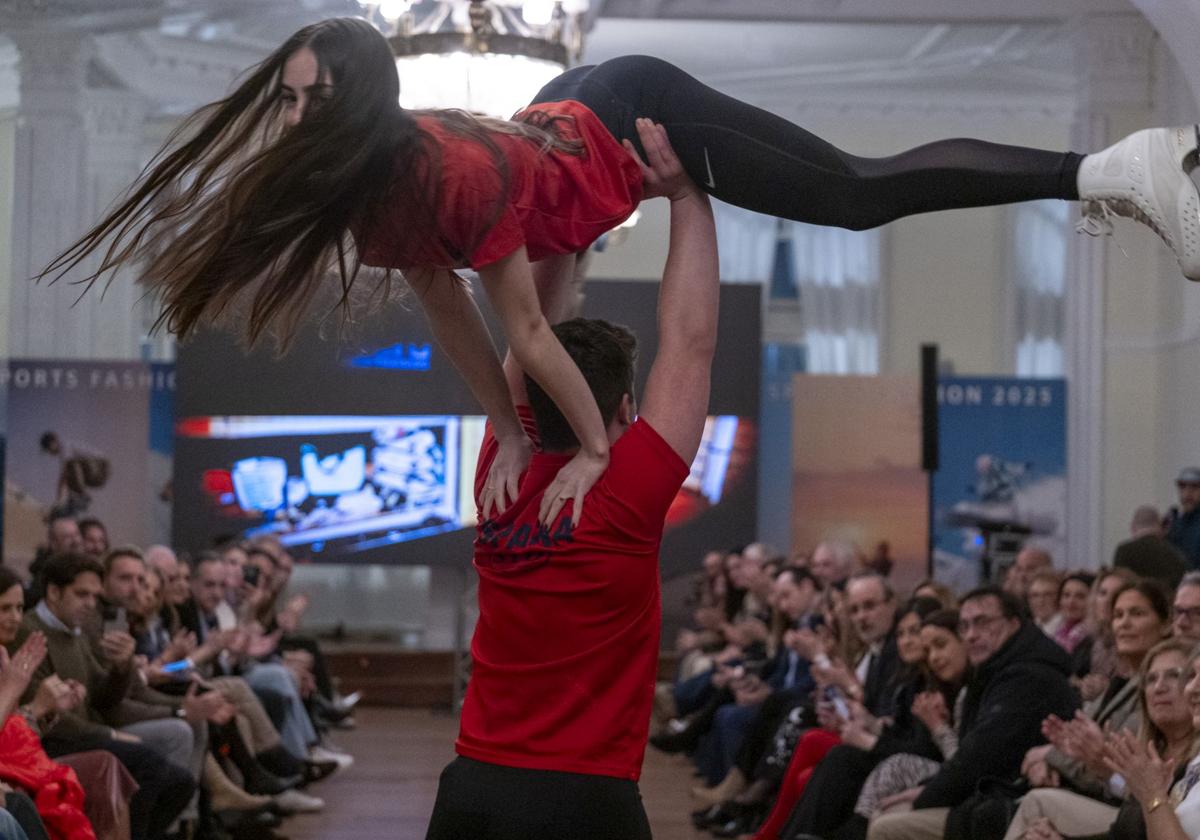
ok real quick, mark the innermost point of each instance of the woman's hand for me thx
(903, 797)
(573, 481)
(665, 175)
(17, 671)
(1042, 829)
(1147, 775)
(929, 707)
(502, 483)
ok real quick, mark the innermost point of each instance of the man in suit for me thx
(1147, 553)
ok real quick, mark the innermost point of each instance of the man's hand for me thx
(210, 707)
(53, 696)
(665, 176)
(118, 646)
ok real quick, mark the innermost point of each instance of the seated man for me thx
(1020, 678)
(556, 716)
(165, 786)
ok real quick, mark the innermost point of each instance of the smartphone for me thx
(834, 696)
(177, 667)
(113, 618)
(250, 574)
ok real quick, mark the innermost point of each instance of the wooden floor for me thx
(398, 754)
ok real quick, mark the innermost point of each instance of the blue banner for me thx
(1002, 477)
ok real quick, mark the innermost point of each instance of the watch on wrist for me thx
(1154, 804)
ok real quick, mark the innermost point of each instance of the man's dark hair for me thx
(112, 555)
(203, 557)
(258, 551)
(62, 569)
(799, 575)
(91, 522)
(8, 579)
(606, 355)
(1010, 605)
(46, 440)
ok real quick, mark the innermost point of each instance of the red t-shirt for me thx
(557, 203)
(566, 647)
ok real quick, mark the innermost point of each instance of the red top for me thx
(566, 648)
(557, 203)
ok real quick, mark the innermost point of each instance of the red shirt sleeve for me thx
(643, 477)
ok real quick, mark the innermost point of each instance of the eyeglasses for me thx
(1190, 613)
(979, 622)
(1171, 677)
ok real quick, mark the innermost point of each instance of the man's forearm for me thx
(687, 306)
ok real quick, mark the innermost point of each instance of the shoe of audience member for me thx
(735, 827)
(315, 771)
(261, 781)
(733, 784)
(295, 802)
(348, 702)
(280, 762)
(675, 742)
(320, 753)
(717, 815)
(347, 723)
(664, 704)
(256, 826)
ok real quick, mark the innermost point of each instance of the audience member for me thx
(1187, 609)
(1019, 577)
(833, 562)
(1148, 553)
(1020, 678)
(1043, 601)
(94, 537)
(1074, 595)
(1183, 522)
(156, 752)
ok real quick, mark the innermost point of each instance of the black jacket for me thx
(1007, 699)
(1151, 556)
(879, 688)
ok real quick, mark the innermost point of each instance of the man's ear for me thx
(627, 411)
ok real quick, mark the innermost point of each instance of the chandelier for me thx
(484, 56)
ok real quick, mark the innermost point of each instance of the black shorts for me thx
(480, 801)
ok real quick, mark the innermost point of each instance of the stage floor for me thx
(398, 754)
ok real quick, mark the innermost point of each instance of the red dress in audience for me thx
(55, 790)
(813, 746)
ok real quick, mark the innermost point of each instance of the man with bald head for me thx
(1147, 553)
(1029, 562)
(833, 562)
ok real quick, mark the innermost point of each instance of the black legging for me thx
(756, 160)
(489, 802)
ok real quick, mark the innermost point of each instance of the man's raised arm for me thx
(676, 398)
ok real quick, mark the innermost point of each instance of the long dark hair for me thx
(237, 215)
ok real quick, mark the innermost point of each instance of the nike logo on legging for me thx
(712, 184)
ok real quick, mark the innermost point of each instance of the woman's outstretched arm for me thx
(459, 329)
(510, 286)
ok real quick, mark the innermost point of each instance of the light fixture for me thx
(485, 56)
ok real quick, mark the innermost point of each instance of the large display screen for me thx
(368, 452)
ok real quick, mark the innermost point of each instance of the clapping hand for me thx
(1147, 774)
(17, 671)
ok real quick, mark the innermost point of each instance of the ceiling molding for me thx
(866, 11)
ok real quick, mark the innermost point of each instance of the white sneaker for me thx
(1145, 177)
(322, 754)
(295, 802)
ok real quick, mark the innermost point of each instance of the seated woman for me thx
(1073, 596)
(1141, 618)
(860, 730)
(852, 784)
(1094, 661)
(1167, 731)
